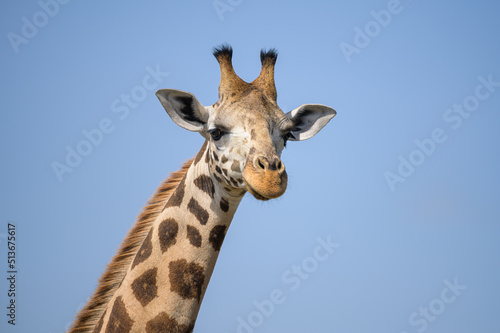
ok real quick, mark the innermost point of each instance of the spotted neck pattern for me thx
(164, 286)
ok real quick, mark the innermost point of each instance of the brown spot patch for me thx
(144, 287)
(233, 181)
(205, 184)
(176, 198)
(206, 157)
(167, 232)
(217, 235)
(236, 166)
(144, 251)
(224, 171)
(163, 323)
(224, 205)
(186, 279)
(216, 157)
(253, 134)
(194, 236)
(218, 169)
(223, 159)
(217, 178)
(119, 320)
(198, 211)
(200, 153)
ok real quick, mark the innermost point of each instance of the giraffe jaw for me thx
(267, 195)
(255, 194)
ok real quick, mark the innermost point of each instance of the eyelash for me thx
(216, 134)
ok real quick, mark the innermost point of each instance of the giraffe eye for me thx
(216, 134)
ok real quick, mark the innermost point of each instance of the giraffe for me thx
(157, 279)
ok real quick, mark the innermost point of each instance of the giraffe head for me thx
(245, 129)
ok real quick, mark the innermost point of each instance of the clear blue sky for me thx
(404, 181)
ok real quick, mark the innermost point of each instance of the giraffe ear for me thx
(309, 119)
(184, 109)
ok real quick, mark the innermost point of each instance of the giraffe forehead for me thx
(255, 110)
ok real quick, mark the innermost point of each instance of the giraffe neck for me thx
(165, 284)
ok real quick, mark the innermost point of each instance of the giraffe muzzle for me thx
(265, 178)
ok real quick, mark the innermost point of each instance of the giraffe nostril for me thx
(260, 164)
